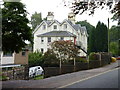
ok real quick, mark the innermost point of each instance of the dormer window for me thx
(44, 26)
(55, 26)
(65, 26)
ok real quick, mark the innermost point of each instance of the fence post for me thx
(26, 72)
(13, 73)
(100, 59)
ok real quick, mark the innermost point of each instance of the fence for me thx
(101, 60)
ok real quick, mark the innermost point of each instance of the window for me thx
(23, 53)
(49, 39)
(55, 26)
(44, 26)
(7, 54)
(42, 39)
(61, 38)
(42, 50)
(65, 26)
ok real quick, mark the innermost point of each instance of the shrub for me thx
(50, 59)
(93, 56)
(35, 59)
(81, 59)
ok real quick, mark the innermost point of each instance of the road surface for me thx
(106, 80)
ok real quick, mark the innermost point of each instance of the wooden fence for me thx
(102, 59)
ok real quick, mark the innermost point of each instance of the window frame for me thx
(54, 26)
(44, 27)
(49, 39)
(65, 26)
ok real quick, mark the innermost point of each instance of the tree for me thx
(89, 27)
(36, 19)
(65, 50)
(35, 59)
(50, 58)
(101, 38)
(114, 48)
(114, 36)
(81, 6)
(114, 33)
(15, 29)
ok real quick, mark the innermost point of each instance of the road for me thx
(106, 80)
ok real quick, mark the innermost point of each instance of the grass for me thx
(38, 77)
(2, 78)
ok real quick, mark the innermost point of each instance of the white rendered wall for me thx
(7, 59)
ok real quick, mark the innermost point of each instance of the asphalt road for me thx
(105, 80)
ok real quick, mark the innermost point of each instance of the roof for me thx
(57, 34)
(74, 26)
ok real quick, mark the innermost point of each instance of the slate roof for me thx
(75, 26)
(57, 34)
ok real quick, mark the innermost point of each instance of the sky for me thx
(61, 12)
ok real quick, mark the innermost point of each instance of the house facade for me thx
(51, 30)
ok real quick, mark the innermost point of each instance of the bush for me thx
(50, 59)
(93, 56)
(35, 59)
(81, 59)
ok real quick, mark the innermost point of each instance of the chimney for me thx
(50, 16)
(71, 17)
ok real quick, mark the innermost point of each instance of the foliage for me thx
(93, 56)
(81, 59)
(114, 48)
(38, 77)
(99, 38)
(65, 50)
(116, 10)
(114, 33)
(50, 58)
(35, 59)
(15, 29)
(3, 78)
(90, 29)
(81, 6)
(36, 19)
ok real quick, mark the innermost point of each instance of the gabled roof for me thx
(57, 34)
(74, 26)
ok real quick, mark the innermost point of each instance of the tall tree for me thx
(101, 38)
(15, 29)
(36, 19)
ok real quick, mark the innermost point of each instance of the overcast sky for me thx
(61, 12)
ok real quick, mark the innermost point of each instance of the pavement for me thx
(59, 81)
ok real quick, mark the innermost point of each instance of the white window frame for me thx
(44, 27)
(49, 39)
(65, 26)
(54, 26)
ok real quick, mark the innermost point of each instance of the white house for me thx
(52, 30)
